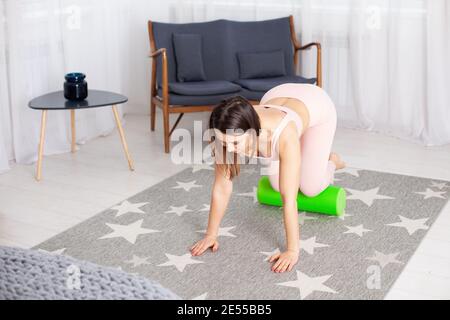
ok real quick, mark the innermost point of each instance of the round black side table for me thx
(57, 101)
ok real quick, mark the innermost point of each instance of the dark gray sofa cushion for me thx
(222, 40)
(261, 64)
(180, 100)
(213, 41)
(200, 88)
(266, 84)
(188, 56)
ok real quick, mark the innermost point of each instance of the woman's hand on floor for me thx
(202, 245)
(284, 261)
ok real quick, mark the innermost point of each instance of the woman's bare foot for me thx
(337, 161)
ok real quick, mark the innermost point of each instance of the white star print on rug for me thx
(187, 186)
(179, 262)
(55, 252)
(358, 230)
(206, 208)
(385, 259)
(223, 232)
(129, 232)
(432, 194)
(178, 210)
(310, 244)
(438, 185)
(126, 207)
(269, 254)
(411, 225)
(344, 215)
(201, 297)
(366, 196)
(137, 261)
(302, 218)
(307, 285)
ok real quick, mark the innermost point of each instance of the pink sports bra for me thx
(291, 115)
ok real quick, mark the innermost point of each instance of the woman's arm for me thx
(289, 151)
(220, 197)
(290, 159)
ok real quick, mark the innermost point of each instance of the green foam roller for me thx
(331, 201)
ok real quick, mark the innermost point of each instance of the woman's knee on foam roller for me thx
(274, 182)
(310, 190)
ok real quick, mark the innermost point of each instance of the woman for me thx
(292, 131)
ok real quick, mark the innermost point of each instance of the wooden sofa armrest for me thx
(165, 82)
(318, 59)
(309, 45)
(154, 54)
(157, 53)
(298, 47)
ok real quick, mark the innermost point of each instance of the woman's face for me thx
(238, 142)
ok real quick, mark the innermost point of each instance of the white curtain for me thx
(386, 62)
(41, 41)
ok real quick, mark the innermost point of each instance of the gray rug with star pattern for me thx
(356, 256)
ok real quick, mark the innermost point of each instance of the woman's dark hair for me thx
(235, 113)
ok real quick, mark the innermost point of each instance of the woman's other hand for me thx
(284, 261)
(201, 246)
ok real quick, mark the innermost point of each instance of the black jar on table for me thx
(75, 87)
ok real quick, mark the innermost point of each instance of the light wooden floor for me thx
(77, 186)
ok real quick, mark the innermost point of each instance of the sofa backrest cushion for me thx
(261, 64)
(222, 40)
(188, 56)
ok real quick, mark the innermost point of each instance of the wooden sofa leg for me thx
(152, 115)
(166, 129)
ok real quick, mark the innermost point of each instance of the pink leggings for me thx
(317, 171)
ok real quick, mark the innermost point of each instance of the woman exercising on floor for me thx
(292, 131)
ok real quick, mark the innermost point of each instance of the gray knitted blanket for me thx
(28, 274)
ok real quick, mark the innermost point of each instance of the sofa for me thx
(197, 65)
